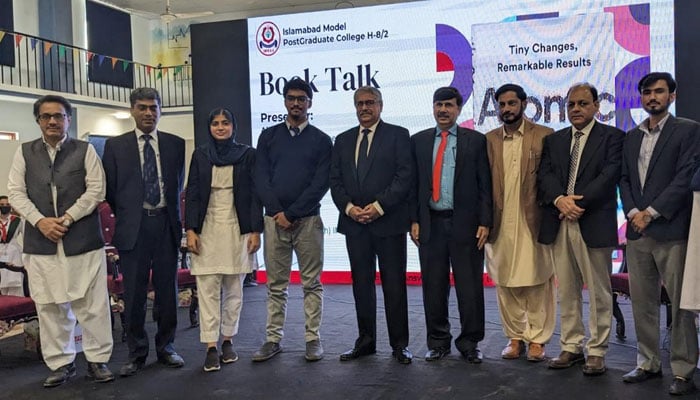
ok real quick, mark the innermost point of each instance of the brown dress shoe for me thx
(513, 350)
(566, 359)
(595, 365)
(535, 352)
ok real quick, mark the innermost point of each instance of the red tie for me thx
(437, 168)
(3, 230)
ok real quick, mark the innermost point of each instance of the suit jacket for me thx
(667, 184)
(247, 203)
(596, 180)
(122, 165)
(472, 183)
(388, 179)
(533, 138)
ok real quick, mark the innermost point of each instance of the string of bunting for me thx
(90, 55)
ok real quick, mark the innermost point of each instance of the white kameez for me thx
(11, 282)
(690, 292)
(515, 258)
(223, 250)
(67, 289)
(222, 262)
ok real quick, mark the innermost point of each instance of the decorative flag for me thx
(125, 65)
(33, 42)
(90, 55)
(114, 61)
(100, 59)
(18, 38)
(2, 35)
(47, 47)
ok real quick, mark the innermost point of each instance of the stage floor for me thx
(372, 377)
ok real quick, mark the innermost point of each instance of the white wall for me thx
(26, 16)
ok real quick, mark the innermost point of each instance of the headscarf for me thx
(226, 151)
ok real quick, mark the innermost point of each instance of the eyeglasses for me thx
(295, 99)
(47, 117)
(368, 103)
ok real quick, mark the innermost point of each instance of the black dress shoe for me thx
(60, 375)
(402, 355)
(356, 353)
(131, 368)
(98, 372)
(681, 386)
(473, 356)
(436, 354)
(171, 360)
(640, 375)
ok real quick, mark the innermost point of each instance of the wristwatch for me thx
(67, 222)
(646, 218)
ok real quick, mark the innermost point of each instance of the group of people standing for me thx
(538, 206)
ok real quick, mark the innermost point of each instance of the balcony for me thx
(29, 63)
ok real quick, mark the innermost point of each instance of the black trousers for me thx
(364, 250)
(155, 252)
(452, 246)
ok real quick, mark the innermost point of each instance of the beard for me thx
(511, 118)
(658, 108)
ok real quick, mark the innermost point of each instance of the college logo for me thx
(268, 38)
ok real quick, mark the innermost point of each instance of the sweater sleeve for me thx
(312, 195)
(263, 175)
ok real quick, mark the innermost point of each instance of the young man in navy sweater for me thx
(291, 176)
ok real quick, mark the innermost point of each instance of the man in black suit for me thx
(660, 156)
(370, 179)
(451, 214)
(577, 183)
(145, 170)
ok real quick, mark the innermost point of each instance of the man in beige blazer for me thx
(521, 268)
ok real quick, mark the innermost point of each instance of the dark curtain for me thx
(109, 35)
(7, 46)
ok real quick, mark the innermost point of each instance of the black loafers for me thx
(436, 354)
(402, 355)
(171, 360)
(640, 375)
(473, 356)
(356, 353)
(60, 375)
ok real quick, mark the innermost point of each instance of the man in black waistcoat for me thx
(55, 184)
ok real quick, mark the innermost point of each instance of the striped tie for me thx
(573, 162)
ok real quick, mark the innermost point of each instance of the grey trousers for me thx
(649, 263)
(306, 241)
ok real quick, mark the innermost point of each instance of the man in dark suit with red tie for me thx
(451, 215)
(370, 178)
(144, 170)
(577, 190)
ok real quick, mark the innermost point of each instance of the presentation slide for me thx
(408, 50)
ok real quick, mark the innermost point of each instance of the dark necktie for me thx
(295, 131)
(437, 168)
(362, 160)
(573, 162)
(151, 188)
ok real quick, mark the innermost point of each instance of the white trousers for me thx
(57, 325)
(220, 300)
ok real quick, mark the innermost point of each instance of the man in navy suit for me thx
(577, 190)
(370, 179)
(660, 156)
(451, 214)
(144, 170)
